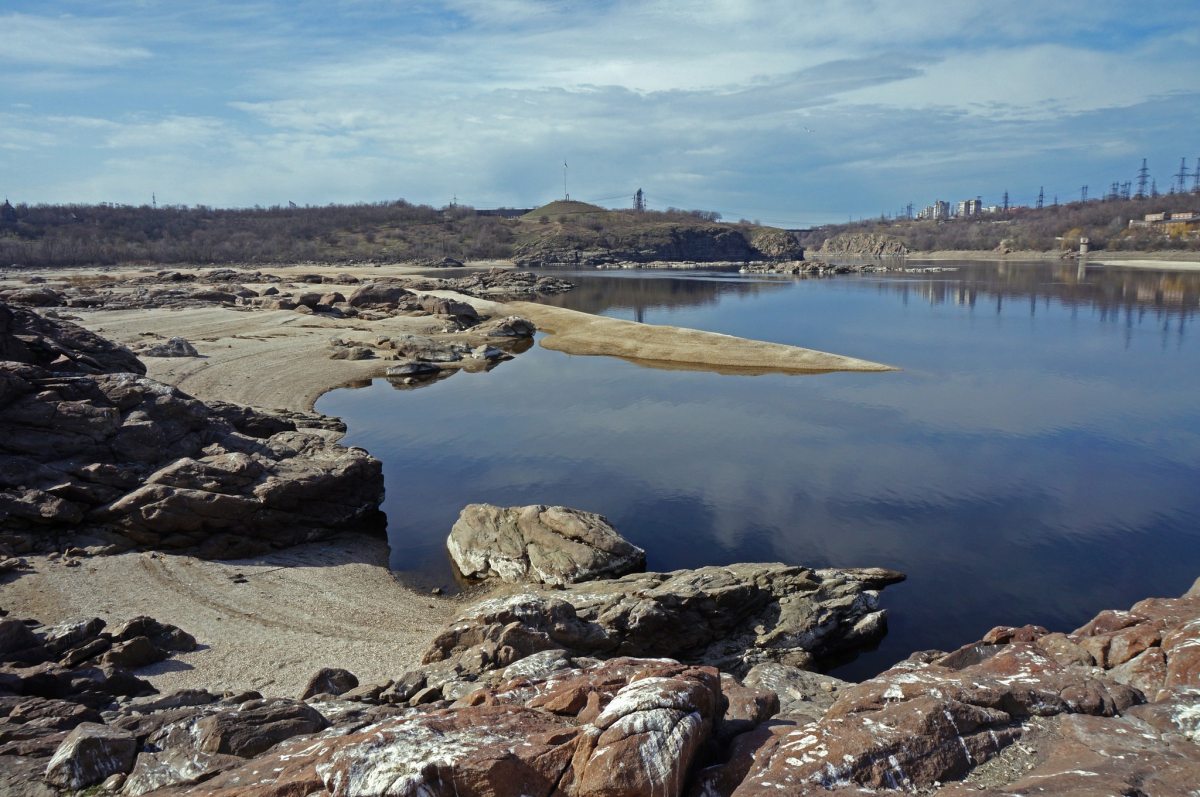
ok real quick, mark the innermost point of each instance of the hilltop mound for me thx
(561, 207)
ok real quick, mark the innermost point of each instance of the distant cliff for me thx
(857, 244)
(594, 242)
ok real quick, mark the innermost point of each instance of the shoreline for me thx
(330, 603)
(1183, 261)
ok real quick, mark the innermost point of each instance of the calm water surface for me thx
(1037, 460)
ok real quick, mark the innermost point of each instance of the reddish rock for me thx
(1146, 671)
(1004, 634)
(1065, 650)
(1108, 621)
(747, 704)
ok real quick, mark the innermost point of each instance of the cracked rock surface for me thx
(89, 446)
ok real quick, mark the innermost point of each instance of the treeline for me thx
(75, 235)
(108, 234)
(1105, 224)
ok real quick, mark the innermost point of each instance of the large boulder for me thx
(89, 755)
(542, 544)
(174, 347)
(329, 681)
(378, 293)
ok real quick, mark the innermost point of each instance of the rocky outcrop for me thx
(173, 347)
(1021, 711)
(626, 728)
(730, 617)
(127, 461)
(857, 244)
(648, 243)
(26, 337)
(380, 298)
(540, 544)
(502, 283)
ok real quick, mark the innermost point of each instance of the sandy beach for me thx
(327, 604)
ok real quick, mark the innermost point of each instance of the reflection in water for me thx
(1110, 290)
(1024, 467)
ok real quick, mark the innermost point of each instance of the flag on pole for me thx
(564, 164)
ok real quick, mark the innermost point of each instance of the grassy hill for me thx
(563, 207)
(560, 232)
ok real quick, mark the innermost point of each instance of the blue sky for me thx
(701, 104)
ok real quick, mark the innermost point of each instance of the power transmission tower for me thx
(1153, 188)
(639, 201)
(154, 201)
(1196, 178)
(1056, 200)
(1041, 198)
(1143, 177)
(1183, 174)
(1006, 201)
(909, 211)
(1083, 194)
(1126, 189)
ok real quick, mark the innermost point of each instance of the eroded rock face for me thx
(26, 337)
(540, 544)
(730, 617)
(863, 245)
(128, 456)
(88, 444)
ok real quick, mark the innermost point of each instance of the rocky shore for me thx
(1110, 708)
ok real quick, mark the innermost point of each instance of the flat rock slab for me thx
(541, 544)
(729, 617)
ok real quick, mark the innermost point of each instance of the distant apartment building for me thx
(938, 210)
(1168, 222)
(969, 207)
(993, 209)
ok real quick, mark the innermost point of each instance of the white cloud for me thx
(703, 101)
(65, 42)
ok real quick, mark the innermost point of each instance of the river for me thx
(1036, 460)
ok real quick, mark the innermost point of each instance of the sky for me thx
(792, 112)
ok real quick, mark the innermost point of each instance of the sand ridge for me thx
(324, 604)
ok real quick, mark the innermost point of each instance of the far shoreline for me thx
(1170, 261)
